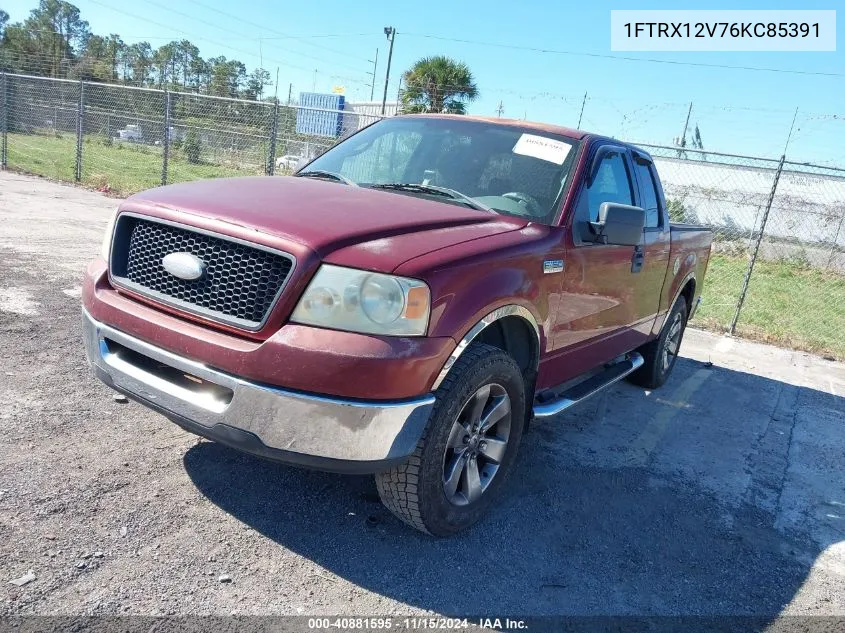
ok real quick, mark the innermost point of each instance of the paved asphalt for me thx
(722, 493)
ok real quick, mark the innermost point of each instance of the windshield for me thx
(487, 166)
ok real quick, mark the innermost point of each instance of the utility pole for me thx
(373, 82)
(390, 32)
(791, 127)
(314, 85)
(682, 141)
(580, 116)
(756, 250)
(500, 110)
(290, 90)
(686, 124)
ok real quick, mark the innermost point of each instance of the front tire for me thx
(661, 354)
(468, 448)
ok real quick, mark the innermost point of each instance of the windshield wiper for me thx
(320, 173)
(437, 191)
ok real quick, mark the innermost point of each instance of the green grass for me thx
(122, 167)
(788, 303)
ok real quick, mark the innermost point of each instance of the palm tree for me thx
(438, 84)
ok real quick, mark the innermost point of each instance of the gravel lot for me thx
(722, 493)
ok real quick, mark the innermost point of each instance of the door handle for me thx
(637, 259)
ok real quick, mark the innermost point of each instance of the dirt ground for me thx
(722, 493)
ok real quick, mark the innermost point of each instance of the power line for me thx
(242, 38)
(228, 30)
(231, 48)
(320, 36)
(195, 37)
(623, 58)
(263, 26)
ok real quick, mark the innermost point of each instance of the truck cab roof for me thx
(535, 126)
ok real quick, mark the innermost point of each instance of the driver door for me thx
(604, 310)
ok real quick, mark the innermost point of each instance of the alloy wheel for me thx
(673, 341)
(477, 444)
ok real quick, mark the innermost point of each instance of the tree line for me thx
(54, 41)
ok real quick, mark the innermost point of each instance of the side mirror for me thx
(619, 224)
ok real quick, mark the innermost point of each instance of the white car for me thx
(131, 133)
(288, 162)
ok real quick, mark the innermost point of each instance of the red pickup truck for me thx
(404, 305)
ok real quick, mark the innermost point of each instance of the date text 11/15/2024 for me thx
(414, 623)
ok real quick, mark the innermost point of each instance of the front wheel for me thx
(661, 354)
(468, 448)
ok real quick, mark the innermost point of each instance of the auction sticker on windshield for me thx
(543, 148)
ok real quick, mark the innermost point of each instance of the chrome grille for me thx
(240, 284)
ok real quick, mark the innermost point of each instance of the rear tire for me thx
(661, 354)
(468, 448)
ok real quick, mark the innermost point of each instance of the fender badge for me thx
(552, 266)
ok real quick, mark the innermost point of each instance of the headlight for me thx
(105, 249)
(361, 301)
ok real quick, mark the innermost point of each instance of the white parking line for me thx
(640, 450)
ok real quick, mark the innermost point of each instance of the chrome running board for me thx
(580, 392)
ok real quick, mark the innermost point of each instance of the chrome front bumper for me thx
(308, 430)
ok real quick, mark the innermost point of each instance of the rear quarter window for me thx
(644, 171)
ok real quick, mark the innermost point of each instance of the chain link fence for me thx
(777, 269)
(122, 139)
(39, 133)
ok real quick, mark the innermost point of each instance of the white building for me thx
(808, 207)
(361, 114)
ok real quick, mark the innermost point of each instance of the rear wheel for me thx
(468, 448)
(661, 354)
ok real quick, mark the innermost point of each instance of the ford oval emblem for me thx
(184, 266)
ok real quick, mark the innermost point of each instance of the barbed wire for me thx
(38, 61)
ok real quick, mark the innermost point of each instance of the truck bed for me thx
(683, 226)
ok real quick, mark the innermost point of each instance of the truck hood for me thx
(350, 226)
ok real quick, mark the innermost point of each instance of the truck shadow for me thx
(639, 505)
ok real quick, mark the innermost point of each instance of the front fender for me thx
(505, 272)
(456, 311)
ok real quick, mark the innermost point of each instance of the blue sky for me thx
(738, 111)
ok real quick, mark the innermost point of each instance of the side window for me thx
(611, 184)
(648, 191)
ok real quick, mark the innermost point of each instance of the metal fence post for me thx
(836, 240)
(80, 126)
(753, 259)
(166, 142)
(271, 155)
(4, 123)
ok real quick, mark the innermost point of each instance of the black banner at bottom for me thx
(321, 624)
